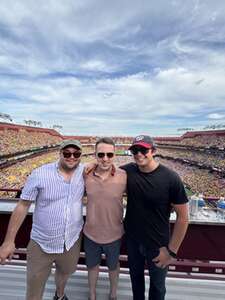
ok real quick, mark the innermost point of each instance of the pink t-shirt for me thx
(104, 217)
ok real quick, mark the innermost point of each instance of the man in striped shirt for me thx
(57, 190)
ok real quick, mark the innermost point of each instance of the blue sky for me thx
(113, 67)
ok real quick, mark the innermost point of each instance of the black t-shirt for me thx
(149, 203)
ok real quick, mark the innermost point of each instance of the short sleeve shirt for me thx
(57, 217)
(150, 196)
(104, 218)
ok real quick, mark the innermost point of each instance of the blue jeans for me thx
(138, 255)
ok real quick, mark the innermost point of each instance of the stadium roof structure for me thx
(13, 286)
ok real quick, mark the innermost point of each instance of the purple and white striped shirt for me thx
(57, 217)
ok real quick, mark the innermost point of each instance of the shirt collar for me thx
(93, 170)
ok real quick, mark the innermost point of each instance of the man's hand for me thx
(8, 247)
(163, 259)
(89, 167)
(6, 252)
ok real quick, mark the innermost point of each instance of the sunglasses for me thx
(142, 150)
(102, 154)
(67, 154)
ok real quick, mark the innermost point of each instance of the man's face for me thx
(142, 155)
(105, 154)
(70, 157)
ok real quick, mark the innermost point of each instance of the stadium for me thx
(197, 156)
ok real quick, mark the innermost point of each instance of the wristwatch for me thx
(171, 253)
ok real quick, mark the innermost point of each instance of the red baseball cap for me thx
(143, 141)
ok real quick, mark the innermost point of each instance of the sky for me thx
(120, 67)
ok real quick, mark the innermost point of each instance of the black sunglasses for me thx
(68, 154)
(102, 154)
(142, 150)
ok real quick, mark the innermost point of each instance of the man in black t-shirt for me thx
(153, 190)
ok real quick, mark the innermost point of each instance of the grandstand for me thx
(201, 139)
(18, 138)
(198, 156)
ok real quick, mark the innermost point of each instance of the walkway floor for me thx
(12, 287)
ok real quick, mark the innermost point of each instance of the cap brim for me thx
(71, 145)
(142, 144)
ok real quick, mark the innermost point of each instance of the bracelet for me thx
(171, 253)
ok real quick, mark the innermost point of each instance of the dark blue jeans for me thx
(138, 255)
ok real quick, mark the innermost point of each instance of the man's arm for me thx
(8, 247)
(180, 226)
(179, 230)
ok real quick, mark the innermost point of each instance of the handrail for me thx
(191, 269)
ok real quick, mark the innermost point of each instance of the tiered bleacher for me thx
(215, 139)
(14, 177)
(197, 156)
(206, 139)
(201, 158)
(199, 181)
(16, 138)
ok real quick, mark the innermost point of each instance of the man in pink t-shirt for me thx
(103, 229)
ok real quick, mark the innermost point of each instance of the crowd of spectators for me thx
(205, 141)
(12, 141)
(209, 158)
(198, 180)
(201, 140)
(14, 176)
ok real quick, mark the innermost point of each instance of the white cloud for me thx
(81, 65)
(216, 116)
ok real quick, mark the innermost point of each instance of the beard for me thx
(68, 168)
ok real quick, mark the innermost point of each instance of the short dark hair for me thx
(105, 140)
